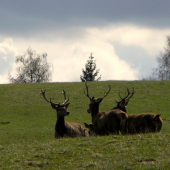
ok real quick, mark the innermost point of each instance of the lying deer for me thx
(140, 123)
(91, 129)
(62, 127)
(105, 123)
(144, 123)
(124, 101)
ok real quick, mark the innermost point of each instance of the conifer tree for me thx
(90, 72)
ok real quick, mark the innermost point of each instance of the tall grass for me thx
(28, 142)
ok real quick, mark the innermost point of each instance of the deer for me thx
(64, 128)
(91, 129)
(104, 123)
(139, 123)
(124, 101)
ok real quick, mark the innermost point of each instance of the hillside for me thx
(27, 141)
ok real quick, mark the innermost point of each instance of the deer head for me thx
(60, 108)
(124, 101)
(94, 102)
(91, 129)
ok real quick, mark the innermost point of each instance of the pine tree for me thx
(89, 74)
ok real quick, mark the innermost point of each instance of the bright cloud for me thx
(68, 56)
(151, 40)
(7, 56)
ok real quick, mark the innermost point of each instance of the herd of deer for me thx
(104, 123)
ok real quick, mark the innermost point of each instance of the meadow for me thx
(27, 127)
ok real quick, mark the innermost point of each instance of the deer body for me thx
(144, 123)
(105, 123)
(62, 127)
(110, 122)
(140, 123)
(69, 129)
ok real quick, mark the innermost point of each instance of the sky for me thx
(125, 37)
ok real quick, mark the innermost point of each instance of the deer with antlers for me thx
(62, 127)
(105, 123)
(139, 123)
(124, 101)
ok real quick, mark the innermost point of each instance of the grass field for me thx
(27, 141)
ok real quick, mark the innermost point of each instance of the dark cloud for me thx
(29, 17)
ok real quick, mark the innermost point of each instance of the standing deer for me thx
(104, 123)
(62, 127)
(140, 123)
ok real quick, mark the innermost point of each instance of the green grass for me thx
(28, 142)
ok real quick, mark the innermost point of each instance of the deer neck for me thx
(123, 108)
(95, 111)
(60, 126)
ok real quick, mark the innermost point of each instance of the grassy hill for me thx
(27, 141)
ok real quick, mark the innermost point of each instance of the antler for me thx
(49, 101)
(107, 92)
(126, 98)
(87, 94)
(65, 101)
(43, 93)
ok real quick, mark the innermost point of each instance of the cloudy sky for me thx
(124, 36)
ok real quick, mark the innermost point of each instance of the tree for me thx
(33, 68)
(89, 73)
(163, 70)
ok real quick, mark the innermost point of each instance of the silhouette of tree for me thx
(90, 72)
(33, 68)
(162, 72)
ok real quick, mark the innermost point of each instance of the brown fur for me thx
(62, 127)
(67, 129)
(110, 122)
(105, 123)
(72, 129)
(144, 123)
(140, 123)
(91, 131)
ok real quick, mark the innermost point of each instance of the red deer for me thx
(144, 123)
(140, 123)
(62, 127)
(124, 101)
(105, 123)
(91, 129)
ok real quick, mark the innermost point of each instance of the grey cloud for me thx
(29, 17)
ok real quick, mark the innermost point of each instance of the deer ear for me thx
(53, 106)
(157, 116)
(86, 125)
(100, 100)
(66, 105)
(90, 126)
